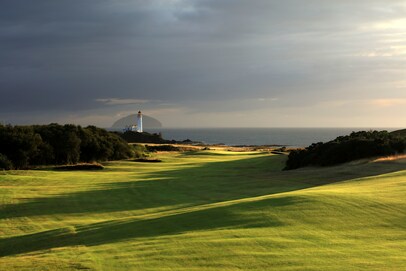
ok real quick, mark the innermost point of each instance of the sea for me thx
(293, 137)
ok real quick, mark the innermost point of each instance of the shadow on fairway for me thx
(206, 183)
(193, 186)
(215, 153)
(211, 218)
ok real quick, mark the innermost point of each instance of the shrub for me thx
(56, 144)
(139, 151)
(343, 149)
(64, 141)
(5, 163)
(135, 137)
(162, 148)
(19, 144)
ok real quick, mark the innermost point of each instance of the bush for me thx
(135, 137)
(5, 163)
(343, 149)
(19, 144)
(26, 146)
(139, 151)
(162, 148)
(64, 141)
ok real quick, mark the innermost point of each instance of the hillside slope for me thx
(206, 211)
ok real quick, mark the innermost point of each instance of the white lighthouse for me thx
(139, 122)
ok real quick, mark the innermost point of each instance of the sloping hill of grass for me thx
(217, 211)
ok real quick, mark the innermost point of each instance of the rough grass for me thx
(205, 211)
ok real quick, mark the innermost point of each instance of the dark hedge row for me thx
(157, 148)
(135, 137)
(54, 144)
(343, 149)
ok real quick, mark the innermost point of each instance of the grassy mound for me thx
(218, 211)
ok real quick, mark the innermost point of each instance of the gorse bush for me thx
(56, 144)
(139, 151)
(19, 144)
(135, 137)
(343, 149)
(5, 163)
(156, 148)
(61, 144)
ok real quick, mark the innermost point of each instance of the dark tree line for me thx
(54, 144)
(343, 149)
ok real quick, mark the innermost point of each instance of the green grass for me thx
(207, 210)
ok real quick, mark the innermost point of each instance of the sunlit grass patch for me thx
(209, 210)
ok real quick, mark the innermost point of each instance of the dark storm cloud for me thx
(69, 55)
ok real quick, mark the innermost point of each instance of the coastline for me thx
(289, 137)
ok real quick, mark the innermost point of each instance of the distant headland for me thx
(148, 122)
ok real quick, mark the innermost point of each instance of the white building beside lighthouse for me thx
(139, 122)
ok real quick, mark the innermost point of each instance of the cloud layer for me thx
(278, 62)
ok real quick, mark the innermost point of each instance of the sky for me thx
(204, 63)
